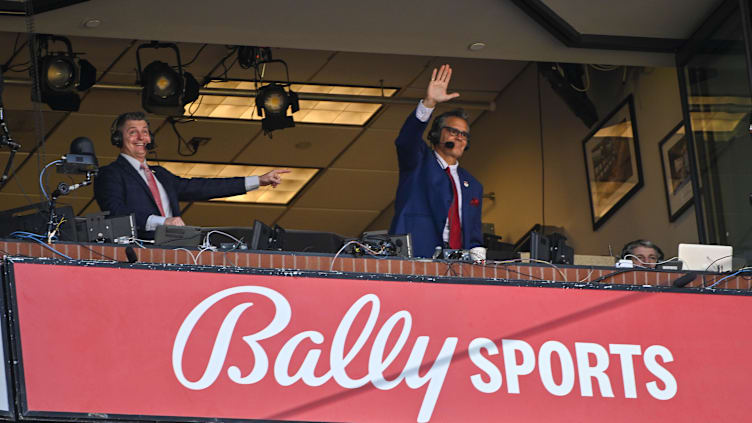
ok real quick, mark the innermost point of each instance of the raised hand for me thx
(437, 88)
(272, 178)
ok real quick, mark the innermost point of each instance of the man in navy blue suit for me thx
(128, 185)
(438, 202)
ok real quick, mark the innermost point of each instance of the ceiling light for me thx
(476, 46)
(311, 111)
(166, 90)
(272, 103)
(61, 74)
(291, 184)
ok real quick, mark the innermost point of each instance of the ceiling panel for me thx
(349, 223)
(18, 97)
(351, 189)
(229, 214)
(665, 18)
(227, 139)
(383, 221)
(99, 101)
(392, 116)
(301, 146)
(370, 69)
(372, 150)
(100, 52)
(474, 74)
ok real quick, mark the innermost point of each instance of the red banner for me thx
(227, 345)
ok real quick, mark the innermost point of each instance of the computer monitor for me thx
(263, 237)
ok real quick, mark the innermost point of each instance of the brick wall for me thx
(385, 265)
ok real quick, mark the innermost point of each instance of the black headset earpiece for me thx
(116, 135)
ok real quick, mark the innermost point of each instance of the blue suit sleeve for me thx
(410, 144)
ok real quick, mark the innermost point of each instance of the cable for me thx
(190, 62)
(52, 234)
(645, 264)
(16, 50)
(714, 261)
(365, 247)
(181, 140)
(96, 252)
(36, 238)
(41, 184)
(207, 244)
(201, 251)
(744, 269)
(195, 259)
(618, 272)
(583, 280)
(564, 277)
(43, 244)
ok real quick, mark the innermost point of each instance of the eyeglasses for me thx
(457, 133)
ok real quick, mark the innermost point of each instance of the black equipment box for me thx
(99, 228)
(34, 218)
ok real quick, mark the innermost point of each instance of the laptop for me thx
(710, 258)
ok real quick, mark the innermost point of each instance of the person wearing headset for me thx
(128, 185)
(437, 202)
(642, 253)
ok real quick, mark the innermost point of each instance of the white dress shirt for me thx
(251, 183)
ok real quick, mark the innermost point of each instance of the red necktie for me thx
(153, 187)
(455, 229)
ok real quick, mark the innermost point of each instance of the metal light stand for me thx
(64, 189)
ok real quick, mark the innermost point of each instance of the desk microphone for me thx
(682, 281)
(131, 254)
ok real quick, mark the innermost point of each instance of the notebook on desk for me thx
(711, 258)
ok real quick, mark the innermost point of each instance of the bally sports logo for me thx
(560, 366)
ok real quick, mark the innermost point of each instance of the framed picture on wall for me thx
(675, 165)
(612, 162)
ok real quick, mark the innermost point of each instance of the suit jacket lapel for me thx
(440, 203)
(133, 173)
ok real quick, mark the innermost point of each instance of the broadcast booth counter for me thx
(255, 335)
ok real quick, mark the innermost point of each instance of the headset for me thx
(116, 134)
(629, 248)
(434, 135)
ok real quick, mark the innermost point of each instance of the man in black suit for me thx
(128, 185)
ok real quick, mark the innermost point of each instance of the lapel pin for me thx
(467, 184)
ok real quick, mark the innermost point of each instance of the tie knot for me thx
(448, 171)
